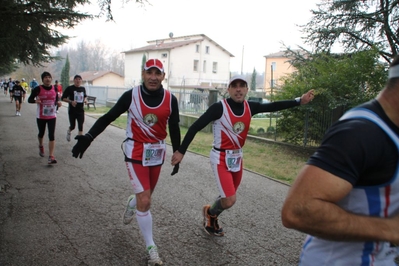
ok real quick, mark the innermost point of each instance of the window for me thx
(274, 66)
(215, 67)
(164, 55)
(207, 49)
(273, 82)
(196, 62)
(204, 67)
(197, 48)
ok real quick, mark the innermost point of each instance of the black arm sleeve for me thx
(174, 128)
(213, 113)
(33, 95)
(257, 107)
(121, 106)
(65, 93)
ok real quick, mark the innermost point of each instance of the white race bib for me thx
(153, 154)
(233, 160)
(79, 97)
(49, 110)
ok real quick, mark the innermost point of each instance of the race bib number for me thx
(48, 110)
(153, 154)
(233, 160)
(79, 97)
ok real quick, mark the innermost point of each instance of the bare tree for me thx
(84, 57)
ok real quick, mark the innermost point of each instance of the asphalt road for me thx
(70, 213)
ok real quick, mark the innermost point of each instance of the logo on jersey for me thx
(238, 127)
(150, 119)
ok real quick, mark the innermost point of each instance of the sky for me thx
(249, 29)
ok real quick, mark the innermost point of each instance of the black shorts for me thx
(18, 98)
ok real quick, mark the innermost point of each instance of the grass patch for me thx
(273, 160)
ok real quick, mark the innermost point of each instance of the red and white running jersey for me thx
(230, 131)
(146, 124)
(46, 109)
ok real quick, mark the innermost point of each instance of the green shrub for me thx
(271, 129)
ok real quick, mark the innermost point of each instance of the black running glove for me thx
(175, 169)
(81, 146)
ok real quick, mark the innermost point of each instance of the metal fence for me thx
(105, 93)
(196, 102)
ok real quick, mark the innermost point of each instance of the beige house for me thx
(101, 78)
(277, 66)
(193, 61)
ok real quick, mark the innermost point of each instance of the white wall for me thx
(179, 65)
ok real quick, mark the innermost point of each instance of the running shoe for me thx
(153, 257)
(68, 135)
(210, 223)
(41, 151)
(52, 160)
(128, 215)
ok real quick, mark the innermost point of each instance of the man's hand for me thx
(81, 146)
(175, 169)
(177, 157)
(307, 97)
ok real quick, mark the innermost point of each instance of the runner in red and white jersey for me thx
(231, 119)
(150, 109)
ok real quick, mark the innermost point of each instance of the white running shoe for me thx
(68, 135)
(153, 257)
(128, 215)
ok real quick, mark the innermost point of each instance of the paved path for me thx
(70, 213)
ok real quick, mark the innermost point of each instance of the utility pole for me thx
(271, 91)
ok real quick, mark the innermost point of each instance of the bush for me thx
(271, 129)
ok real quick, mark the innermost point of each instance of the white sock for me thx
(144, 219)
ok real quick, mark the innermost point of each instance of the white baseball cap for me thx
(237, 77)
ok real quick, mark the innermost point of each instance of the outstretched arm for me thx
(257, 108)
(84, 141)
(214, 112)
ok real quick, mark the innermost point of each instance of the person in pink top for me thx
(46, 98)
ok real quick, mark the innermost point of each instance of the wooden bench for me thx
(91, 100)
